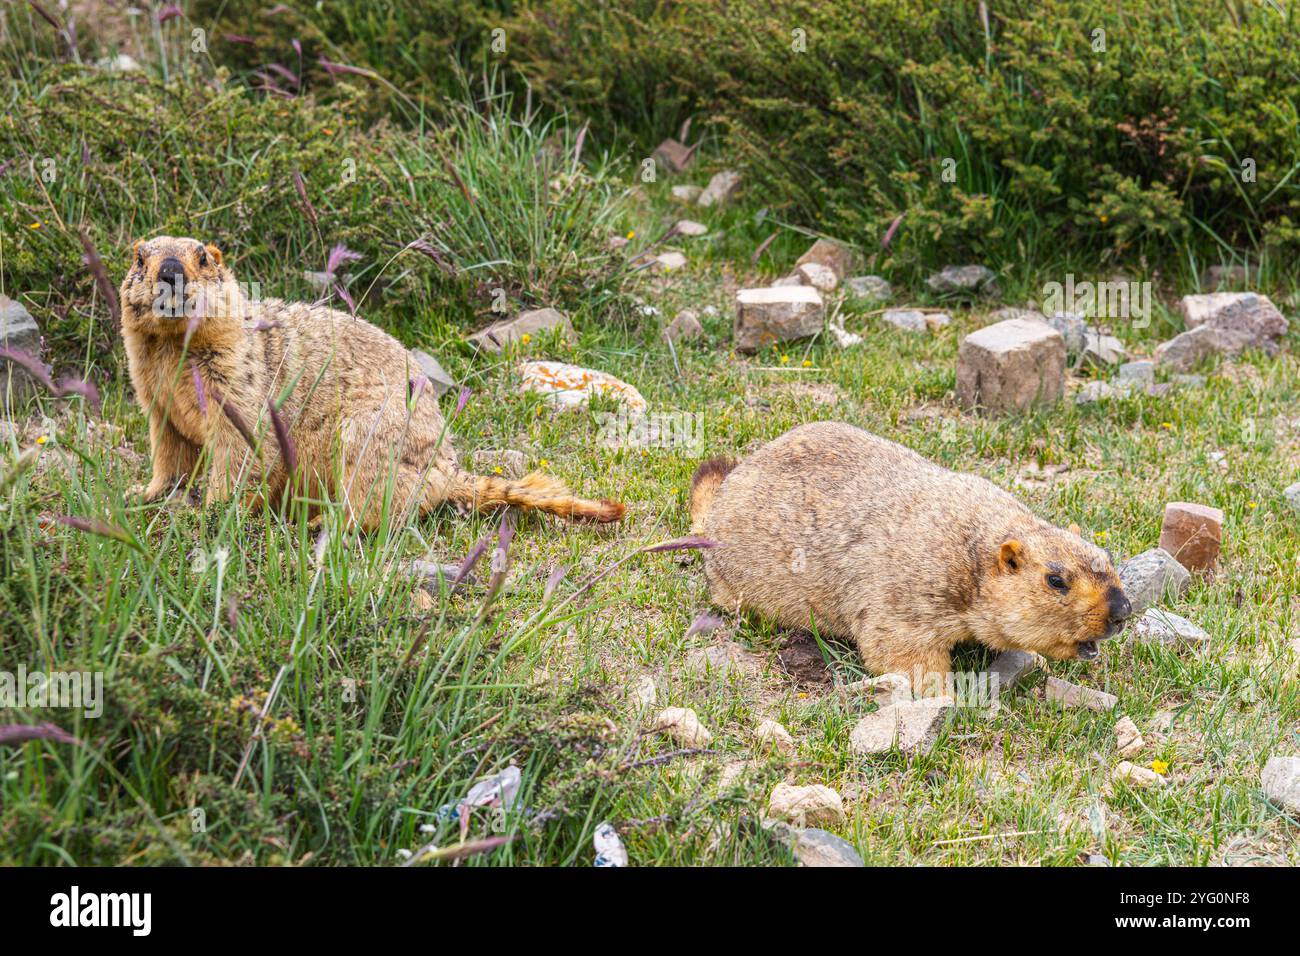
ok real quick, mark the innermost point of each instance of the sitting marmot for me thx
(206, 361)
(833, 527)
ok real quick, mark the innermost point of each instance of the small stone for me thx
(872, 288)
(912, 725)
(1242, 319)
(497, 336)
(431, 369)
(1224, 277)
(513, 464)
(1096, 859)
(772, 736)
(19, 331)
(820, 277)
(1073, 328)
(1142, 372)
(572, 386)
(689, 227)
(433, 576)
(839, 258)
(1136, 776)
(1102, 350)
(935, 321)
(1150, 576)
(1012, 667)
(909, 320)
(1192, 533)
(684, 326)
(722, 660)
(616, 243)
(803, 806)
(885, 690)
(1094, 392)
(687, 194)
(1128, 739)
(1073, 696)
(122, 63)
(1189, 348)
(1292, 495)
(789, 280)
(1010, 366)
(1280, 780)
(1156, 624)
(963, 280)
(683, 726)
(815, 847)
(673, 156)
(721, 188)
(1189, 381)
(764, 316)
(669, 262)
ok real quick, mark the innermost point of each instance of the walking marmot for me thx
(831, 526)
(206, 361)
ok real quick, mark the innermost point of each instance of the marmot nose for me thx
(1118, 605)
(171, 271)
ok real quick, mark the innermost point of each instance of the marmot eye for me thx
(139, 260)
(1057, 582)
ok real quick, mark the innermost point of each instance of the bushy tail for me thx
(484, 492)
(704, 488)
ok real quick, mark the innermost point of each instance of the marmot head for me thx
(177, 285)
(1051, 592)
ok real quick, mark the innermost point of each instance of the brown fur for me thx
(360, 433)
(833, 526)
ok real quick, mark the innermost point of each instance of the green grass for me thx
(206, 612)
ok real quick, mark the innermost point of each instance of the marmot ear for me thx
(214, 252)
(1011, 555)
(1075, 530)
(135, 248)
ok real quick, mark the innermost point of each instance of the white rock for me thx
(1137, 776)
(499, 335)
(765, 316)
(687, 194)
(1010, 366)
(1281, 782)
(1072, 695)
(1168, 628)
(1128, 739)
(644, 692)
(1292, 495)
(868, 287)
(772, 736)
(683, 726)
(669, 262)
(572, 386)
(609, 847)
(812, 805)
(689, 227)
(909, 320)
(885, 689)
(912, 725)
(1098, 391)
(721, 188)
(820, 277)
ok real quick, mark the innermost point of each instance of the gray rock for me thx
(497, 336)
(872, 288)
(1072, 695)
(684, 326)
(1102, 350)
(1187, 349)
(1073, 328)
(1137, 373)
(1010, 366)
(814, 847)
(764, 316)
(1166, 627)
(721, 188)
(1292, 494)
(913, 725)
(687, 194)
(1096, 859)
(1012, 667)
(1242, 319)
(431, 369)
(1094, 392)
(513, 464)
(1150, 576)
(964, 280)
(432, 575)
(19, 331)
(689, 227)
(906, 319)
(1281, 782)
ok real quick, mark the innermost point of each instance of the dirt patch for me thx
(801, 660)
